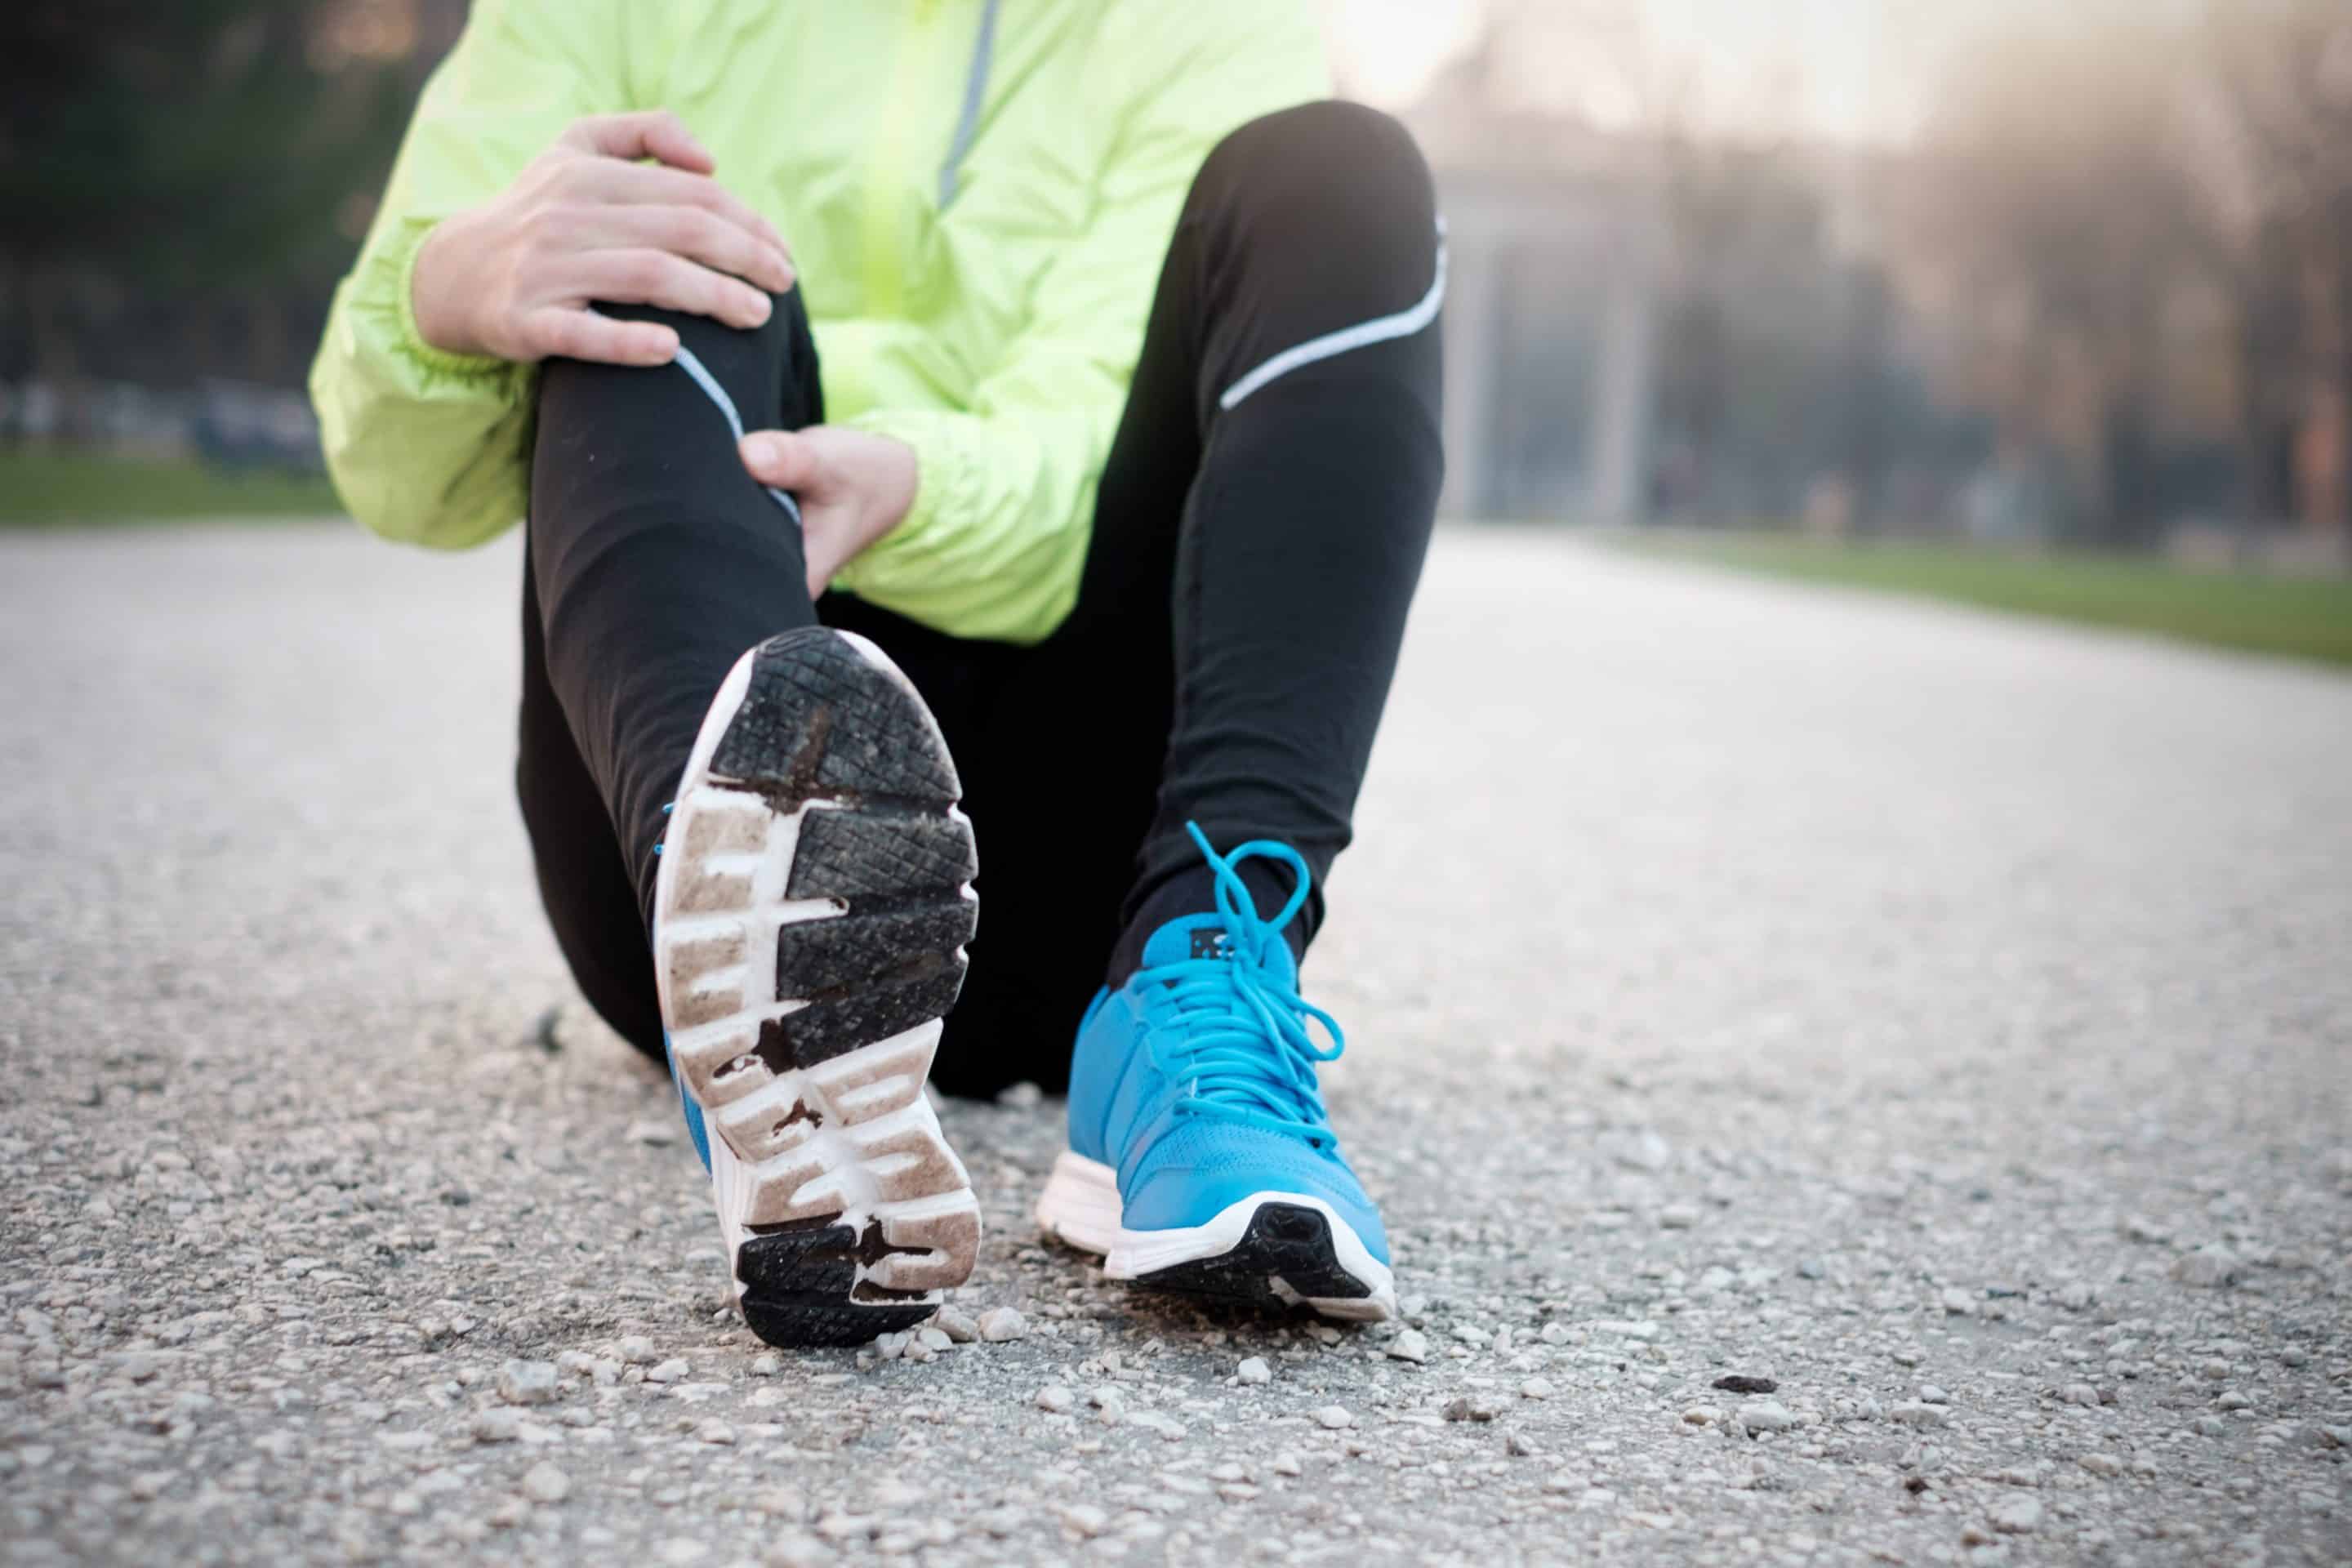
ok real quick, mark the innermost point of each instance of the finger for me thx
(657, 277)
(641, 185)
(695, 234)
(780, 459)
(556, 333)
(643, 133)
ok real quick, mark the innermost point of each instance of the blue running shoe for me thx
(809, 926)
(1201, 1158)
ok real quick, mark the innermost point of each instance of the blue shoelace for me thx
(1229, 1026)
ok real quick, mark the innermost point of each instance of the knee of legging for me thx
(1319, 179)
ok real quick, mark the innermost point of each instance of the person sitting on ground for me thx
(940, 502)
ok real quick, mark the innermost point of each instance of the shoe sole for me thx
(811, 915)
(1270, 1249)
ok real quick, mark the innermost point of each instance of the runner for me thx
(867, 474)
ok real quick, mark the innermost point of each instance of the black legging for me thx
(1227, 661)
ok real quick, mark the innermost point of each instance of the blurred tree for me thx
(187, 166)
(2278, 186)
(2053, 218)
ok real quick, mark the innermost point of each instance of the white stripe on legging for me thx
(717, 394)
(1378, 329)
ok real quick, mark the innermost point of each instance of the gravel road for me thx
(1851, 1082)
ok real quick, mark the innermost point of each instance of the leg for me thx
(626, 525)
(1312, 275)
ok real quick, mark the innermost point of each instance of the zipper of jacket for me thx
(885, 224)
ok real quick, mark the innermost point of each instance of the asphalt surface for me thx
(1946, 1017)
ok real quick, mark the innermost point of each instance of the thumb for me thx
(781, 459)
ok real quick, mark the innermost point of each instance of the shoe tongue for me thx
(1204, 936)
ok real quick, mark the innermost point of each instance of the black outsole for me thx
(820, 726)
(800, 1284)
(1289, 1241)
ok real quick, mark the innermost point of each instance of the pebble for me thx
(1333, 1417)
(2018, 1515)
(2136, 1227)
(2075, 1296)
(1931, 1394)
(1917, 1412)
(671, 1371)
(933, 1339)
(1254, 1371)
(1412, 1345)
(509, 1511)
(2207, 1267)
(956, 1324)
(716, 1431)
(2210, 1425)
(1287, 1463)
(1958, 1303)
(635, 1349)
(497, 1425)
(2105, 1465)
(998, 1324)
(1766, 1416)
(1085, 1519)
(546, 1484)
(1678, 1216)
(527, 1381)
(766, 1365)
(1464, 1407)
(1054, 1398)
(1536, 1388)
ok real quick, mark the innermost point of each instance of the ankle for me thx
(1193, 892)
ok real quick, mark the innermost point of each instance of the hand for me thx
(852, 487)
(513, 278)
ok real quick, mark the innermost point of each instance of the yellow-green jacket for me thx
(978, 194)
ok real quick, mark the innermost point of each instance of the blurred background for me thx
(2040, 304)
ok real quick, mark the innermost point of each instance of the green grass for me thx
(2296, 617)
(44, 487)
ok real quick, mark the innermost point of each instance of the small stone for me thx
(544, 1483)
(497, 1425)
(1085, 1519)
(1812, 1268)
(1766, 1416)
(2207, 1267)
(1552, 1334)
(1917, 1412)
(1333, 1417)
(1642, 1151)
(1287, 1464)
(1254, 1371)
(527, 1381)
(635, 1349)
(1958, 1303)
(1678, 1216)
(2139, 1228)
(1057, 1399)
(766, 1367)
(1702, 1415)
(509, 1511)
(659, 1133)
(998, 1324)
(1412, 1345)
(2074, 1296)
(671, 1371)
(2105, 1465)
(1467, 1407)
(2082, 1394)
(1740, 1383)
(933, 1339)
(2230, 1399)
(1536, 1388)
(798, 1550)
(2208, 1426)
(2018, 1516)
(716, 1431)
(956, 1324)
(1931, 1394)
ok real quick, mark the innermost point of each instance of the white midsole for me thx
(1080, 1206)
(875, 1113)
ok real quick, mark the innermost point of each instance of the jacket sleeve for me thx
(426, 447)
(996, 541)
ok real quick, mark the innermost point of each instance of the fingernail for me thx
(762, 449)
(760, 309)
